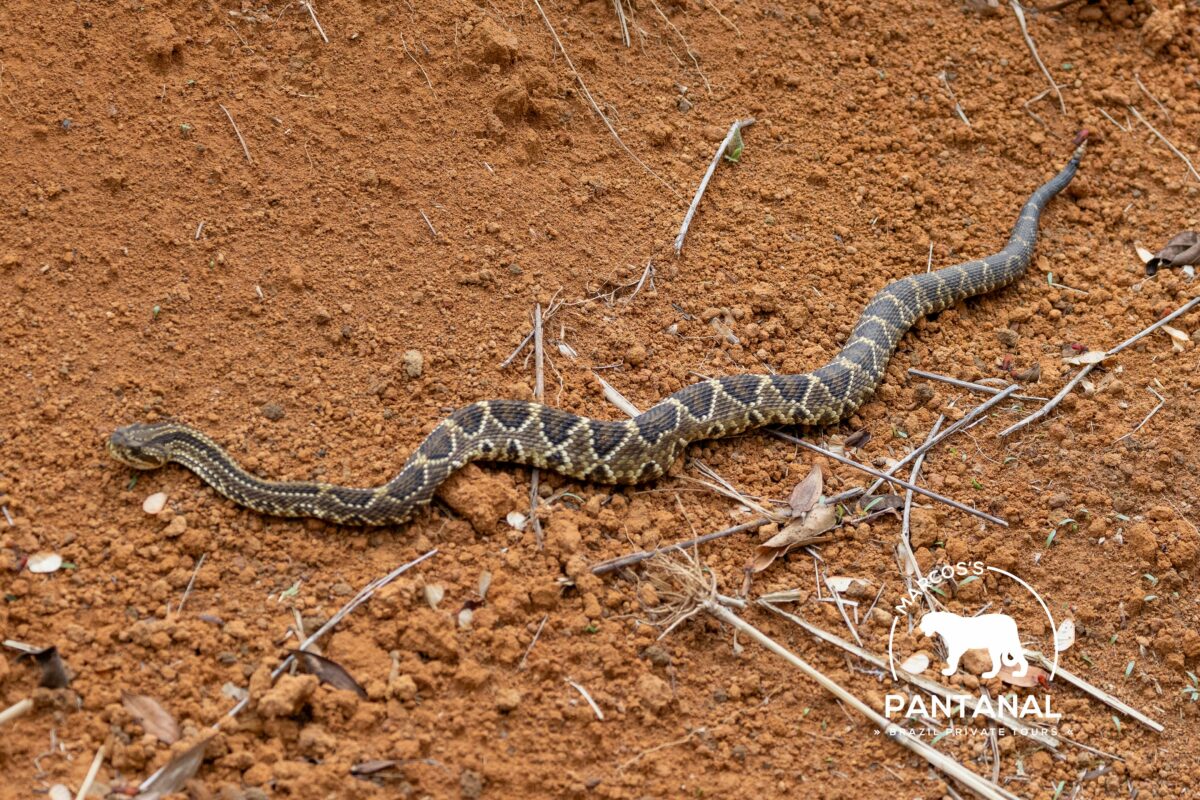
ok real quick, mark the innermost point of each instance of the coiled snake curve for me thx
(626, 451)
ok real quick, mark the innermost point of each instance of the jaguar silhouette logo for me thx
(996, 633)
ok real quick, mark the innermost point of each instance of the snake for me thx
(627, 451)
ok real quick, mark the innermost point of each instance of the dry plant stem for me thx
(539, 394)
(973, 387)
(16, 710)
(1120, 127)
(313, 13)
(360, 598)
(1167, 142)
(886, 477)
(595, 106)
(1083, 373)
(1020, 14)
(971, 415)
(621, 19)
(92, 772)
(191, 581)
(424, 74)
(614, 564)
(945, 764)
(1035, 657)
(905, 544)
(537, 635)
(687, 47)
(841, 607)
(933, 687)
(1161, 402)
(237, 133)
(1153, 99)
(588, 697)
(734, 129)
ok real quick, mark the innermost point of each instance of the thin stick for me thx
(950, 431)
(237, 133)
(931, 686)
(621, 19)
(614, 564)
(734, 130)
(1120, 127)
(539, 394)
(92, 772)
(1167, 142)
(957, 108)
(588, 697)
(1083, 373)
(905, 544)
(595, 106)
(363, 596)
(424, 74)
(686, 47)
(1153, 99)
(16, 710)
(1094, 691)
(616, 398)
(532, 642)
(837, 600)
(1020, 13)
(886, 477)
(432, 229)
(312, 13)
(1161, 402)
(895, 733)
(974, 387)
(187, 591)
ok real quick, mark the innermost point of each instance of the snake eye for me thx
(137, 446)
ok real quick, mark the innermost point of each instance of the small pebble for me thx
(414, 363)
(176, 527)
(273, 411)
(42, 563)
(155, 503)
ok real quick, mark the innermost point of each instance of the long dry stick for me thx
(1161, 402)
(1083, 373)
(92, 772)
(614, 564)
(312, 12)
(20, 708)
(621, 19)
(883, 476)
(237, 133)
(595, 106)
(905, 544)
(1094, 691)
(933, 687)
(1020, 13)
(358, 599)
(734, 130)
(945, 764)
(1167, 142)
(539, 394)
(950, 431)
(974, 387)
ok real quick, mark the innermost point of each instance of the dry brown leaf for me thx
(807, 492)
(874, 503)
(176, 772)
(1034, 676)
(1179, 339)
(857, 439)
(328, 671)
(796, 534)
(150, 714)
(1181, 251)
(54, 671)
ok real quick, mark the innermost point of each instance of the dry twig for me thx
(734, 130)
(1161, 402)
(237, 133)
(1191, 168)
(1020, 14)
(974, 387)
(92, 772)
(312, 12)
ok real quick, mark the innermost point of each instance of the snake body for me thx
(622, 452)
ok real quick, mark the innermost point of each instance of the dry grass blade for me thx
(614, 564)
(595, 106)
(1020, 14)
(734, 131)
(1187, 161)
(153, 718)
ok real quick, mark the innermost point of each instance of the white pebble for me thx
(59, 792)
(44, 562)
(155, 503)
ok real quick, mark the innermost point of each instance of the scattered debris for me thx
(153, 718)
(328, 671)
(1182, 250)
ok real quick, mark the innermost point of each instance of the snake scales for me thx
(627, 451)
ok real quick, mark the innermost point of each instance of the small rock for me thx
(636, 355)
(176, 527)
(494, 44)
(1159, 29)
(287, 696)
(657, 655)
(414, 363)
(471, 784)
(155, 503)
(1059, 500)
(273, 411)
(403, 688)
(1140, 537)
(1007, 336)
(507, 700)
(654, 692)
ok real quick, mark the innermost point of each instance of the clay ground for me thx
(421, 182)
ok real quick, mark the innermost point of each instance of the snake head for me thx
(140, 445)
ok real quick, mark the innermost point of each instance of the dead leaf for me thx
(857, 439)
(796, 534)
(852, 587)
(1031, 375)
(1065, 637)
(1144, 254)
(915, 664)
(54, 671)
(1090, 357)
(1181, 251)
(328, 671)
(150, 714)
(807, 492)
(1034, 676)
(1179, 340)
(176, 772)
(874, 503)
